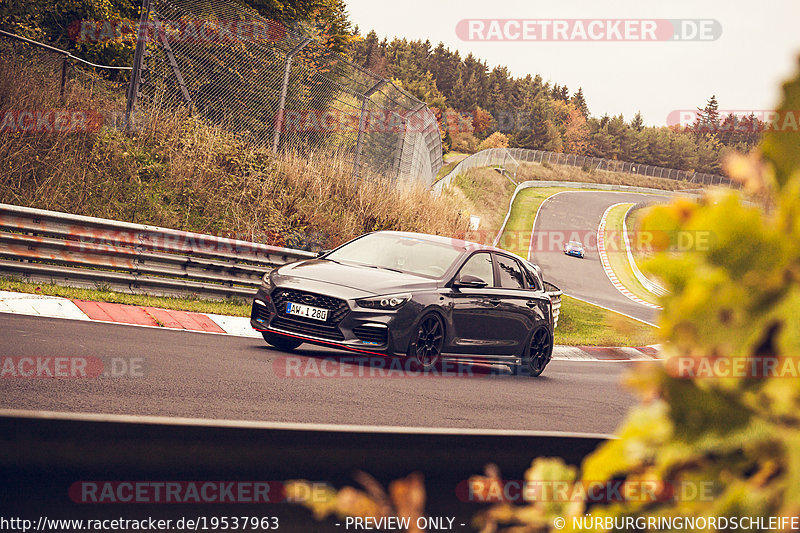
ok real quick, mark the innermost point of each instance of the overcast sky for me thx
(756, 52)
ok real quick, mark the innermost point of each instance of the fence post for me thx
(287, 68)
(362, 124)
(162, 35)
(138, 57)
(64, 67)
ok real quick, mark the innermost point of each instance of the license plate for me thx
(306, 311)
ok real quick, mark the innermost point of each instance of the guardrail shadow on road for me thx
(45, 454)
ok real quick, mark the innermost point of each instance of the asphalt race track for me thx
(196, 375)
(581, 212)
(187, 374)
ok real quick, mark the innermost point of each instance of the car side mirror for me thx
(470, 282)
(322, 252)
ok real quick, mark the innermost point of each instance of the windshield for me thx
(401, 253)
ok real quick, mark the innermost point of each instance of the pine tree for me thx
(579, 101)
(637, 123)
(708, 117)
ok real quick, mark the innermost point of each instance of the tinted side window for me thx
(479, 265)
(510, 273)
(533, 282)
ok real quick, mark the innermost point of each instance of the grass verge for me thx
(445, 170)
(618, 256)
(228, 307)
(584, 324)
(484, 192)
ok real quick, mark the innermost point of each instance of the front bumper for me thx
(574, 253)
(371, 331)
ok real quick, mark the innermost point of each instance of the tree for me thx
(481, 121)
(579, 102)
(576, 132)
(537, 130)
(368, 53)
(444, 67)
(637, 123)
(707, 118)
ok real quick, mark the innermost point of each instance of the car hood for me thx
(362, 279)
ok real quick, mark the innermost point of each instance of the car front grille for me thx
(337, 309)
(372, 334)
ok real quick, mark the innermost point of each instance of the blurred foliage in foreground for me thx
(735, 298)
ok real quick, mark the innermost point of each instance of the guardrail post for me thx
(138, 58)
(287, 69)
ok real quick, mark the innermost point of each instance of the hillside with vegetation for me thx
(181, 172)
(475, 102)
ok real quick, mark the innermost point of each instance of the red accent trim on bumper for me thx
(345, 347)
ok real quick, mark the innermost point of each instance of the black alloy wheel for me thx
(426, 347)
(538, 352)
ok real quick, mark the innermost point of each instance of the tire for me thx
(538, 353)
(281, 342)
(425, 348)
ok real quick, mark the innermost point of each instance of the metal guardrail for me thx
(80, 251)
(49, 246)
(555, 295)
(647, 283)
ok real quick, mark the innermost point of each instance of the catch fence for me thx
(509, 159)
(287, 88)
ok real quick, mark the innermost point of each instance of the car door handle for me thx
(532, 303)
(494, 301)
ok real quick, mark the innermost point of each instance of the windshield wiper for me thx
(383, 268)
(392, 269)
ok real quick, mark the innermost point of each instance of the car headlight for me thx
(393, 301)
(266, 282)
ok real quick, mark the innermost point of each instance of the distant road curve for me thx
(579, 213)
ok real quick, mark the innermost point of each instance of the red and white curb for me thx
(612, 277)
(152, 317)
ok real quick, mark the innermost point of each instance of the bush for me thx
(495, 140)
